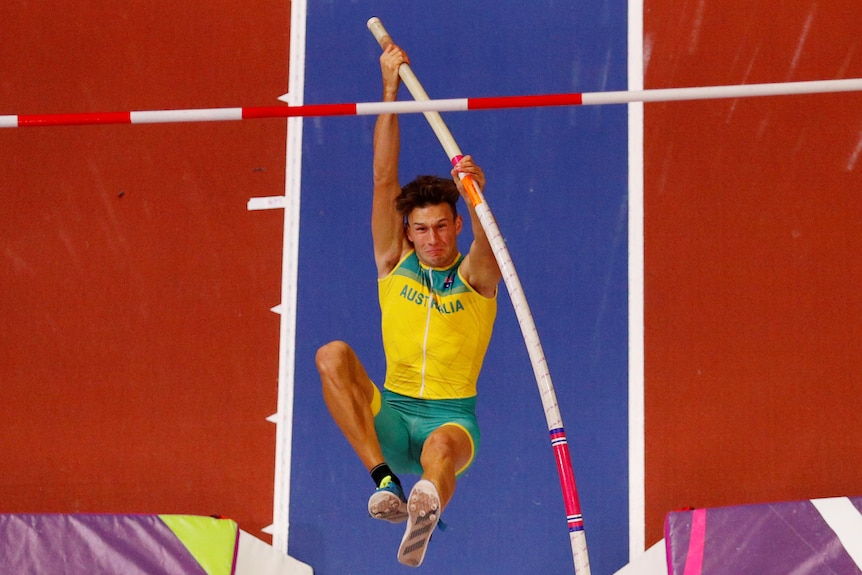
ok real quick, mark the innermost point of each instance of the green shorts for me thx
(404, 423)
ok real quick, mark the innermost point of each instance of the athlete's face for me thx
(434, 232)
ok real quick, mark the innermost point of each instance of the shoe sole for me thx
(387, 506)
(423, 509)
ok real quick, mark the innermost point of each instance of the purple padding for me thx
(789, 537)
(90, 544)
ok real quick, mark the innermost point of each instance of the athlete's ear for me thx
(407, 228)
(459, 223)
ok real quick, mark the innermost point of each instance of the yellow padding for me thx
(472, 446)
(212, 542)
(376, 402)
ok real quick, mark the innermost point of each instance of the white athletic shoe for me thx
(388, 502)
(423, 509)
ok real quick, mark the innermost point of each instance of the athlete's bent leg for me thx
(446, 450)
(348, 391)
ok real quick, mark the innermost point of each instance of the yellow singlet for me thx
(436, 330)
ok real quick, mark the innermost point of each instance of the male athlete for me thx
(438, 309)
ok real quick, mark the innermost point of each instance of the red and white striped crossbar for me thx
(443, 105)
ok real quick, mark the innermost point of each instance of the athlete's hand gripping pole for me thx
(474, 193)
(522, 311)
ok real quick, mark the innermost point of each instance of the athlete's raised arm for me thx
(387, 225)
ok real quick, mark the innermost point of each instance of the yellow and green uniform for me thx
(436, 330)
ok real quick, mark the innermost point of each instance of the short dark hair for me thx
(427, 191)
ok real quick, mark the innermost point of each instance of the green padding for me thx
(211, 542)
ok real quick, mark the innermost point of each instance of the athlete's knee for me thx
(332, 357)
(341, 374)
(447, 442)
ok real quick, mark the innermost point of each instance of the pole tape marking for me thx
(38, 120)
(412, 106)
(201, 115)
(560, 444)
(311, 110)
(525, 101)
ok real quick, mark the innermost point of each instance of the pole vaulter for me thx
(442, 105)
(522, 311)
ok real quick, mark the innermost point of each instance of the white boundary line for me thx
(289, 273)
(637, 458)
(845, 520)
